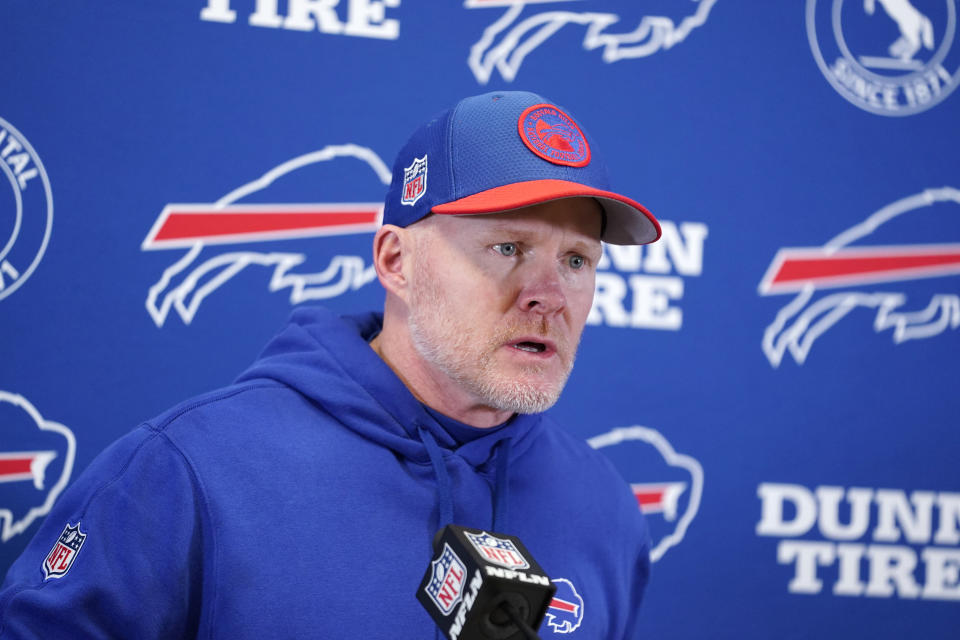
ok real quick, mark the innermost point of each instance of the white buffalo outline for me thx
(652, 34)
(672, 458)
(9, 526)
(187, 296)
(797, 326)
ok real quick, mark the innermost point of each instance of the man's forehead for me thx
(581, 215)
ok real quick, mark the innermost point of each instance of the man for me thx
(302, 501)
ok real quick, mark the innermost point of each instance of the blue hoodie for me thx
(302, 501)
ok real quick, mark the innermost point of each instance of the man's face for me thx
(498, 301)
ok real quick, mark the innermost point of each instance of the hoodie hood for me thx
(327, 358)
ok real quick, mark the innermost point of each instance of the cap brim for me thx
(628, 222)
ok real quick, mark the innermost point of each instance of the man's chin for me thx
(525, 392)
(524, 401)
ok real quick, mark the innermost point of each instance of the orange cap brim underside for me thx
(628, 222)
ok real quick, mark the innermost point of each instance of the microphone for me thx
(484, 586)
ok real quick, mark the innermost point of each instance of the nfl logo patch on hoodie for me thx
(64, 552)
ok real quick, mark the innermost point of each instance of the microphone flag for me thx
(474, 577)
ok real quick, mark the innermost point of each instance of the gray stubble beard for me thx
(472, 369)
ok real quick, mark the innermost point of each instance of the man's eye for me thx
(506, 248)
(577, 262)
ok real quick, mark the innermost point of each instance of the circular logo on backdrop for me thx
(889, 57)
(26, 209)
(553, 135)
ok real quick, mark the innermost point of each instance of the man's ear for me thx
(391, 245)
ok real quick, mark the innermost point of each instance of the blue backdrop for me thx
(776, 377)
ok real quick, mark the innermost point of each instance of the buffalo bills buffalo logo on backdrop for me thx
(889, 57)
(254, 213)
(667, 485)
(565, 612)
(33, 473)
(528, 25)
(870, 266)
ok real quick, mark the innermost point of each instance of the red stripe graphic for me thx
(647, 497)
(795, 268)
(25, 465)
(193, 224)
(563, 605)
(15, 466)
(183, 225)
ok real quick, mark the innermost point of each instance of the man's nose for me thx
(542, 290)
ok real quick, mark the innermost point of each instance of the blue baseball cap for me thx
(501, 151)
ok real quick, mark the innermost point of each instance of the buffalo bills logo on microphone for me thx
(565, 612)
(553, 135)
(64, 552)
(414, 181)
(447, 577)
(497, 550)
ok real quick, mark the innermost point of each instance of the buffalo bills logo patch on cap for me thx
(447, 577)
(553, 135)
(414, 181)
(64, 552)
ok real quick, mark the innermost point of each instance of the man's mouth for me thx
(543, 348)
(532, 347)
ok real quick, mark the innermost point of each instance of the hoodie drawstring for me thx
(500, 491)
(444, 490)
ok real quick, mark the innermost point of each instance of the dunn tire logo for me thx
(888, 57)
(26, 214)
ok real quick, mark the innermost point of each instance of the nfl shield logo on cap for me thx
(414, 181)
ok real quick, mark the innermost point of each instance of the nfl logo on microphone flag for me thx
(475, 576)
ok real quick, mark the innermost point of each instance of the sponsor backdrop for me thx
(776, 377)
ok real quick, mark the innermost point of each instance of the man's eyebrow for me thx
(509, 231)
(588, 248)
